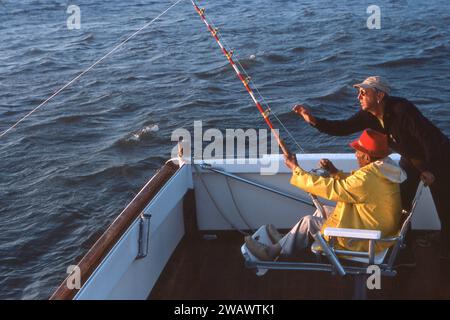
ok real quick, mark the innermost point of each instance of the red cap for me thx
(373, 143)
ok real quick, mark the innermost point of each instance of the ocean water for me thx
(70, 168)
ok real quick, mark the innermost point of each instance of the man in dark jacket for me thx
(424, 149)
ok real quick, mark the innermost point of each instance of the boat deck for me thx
(203, 269)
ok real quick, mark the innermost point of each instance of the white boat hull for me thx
(122, 276)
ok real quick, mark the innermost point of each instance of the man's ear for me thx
(381, 95)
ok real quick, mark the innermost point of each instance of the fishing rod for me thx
(246, 82)
(244, 79)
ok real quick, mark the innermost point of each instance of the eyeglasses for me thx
(363, 92)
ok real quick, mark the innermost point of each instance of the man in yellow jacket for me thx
(368, 198)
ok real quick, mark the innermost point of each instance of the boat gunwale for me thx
(93, 258)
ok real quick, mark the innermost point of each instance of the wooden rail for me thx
(109, 238)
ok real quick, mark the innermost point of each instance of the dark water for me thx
(69, 169)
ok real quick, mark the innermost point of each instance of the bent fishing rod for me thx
(246, 82)
(244, 79)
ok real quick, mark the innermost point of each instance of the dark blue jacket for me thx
(413, 136)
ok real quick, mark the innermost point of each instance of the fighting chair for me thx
(342, 262)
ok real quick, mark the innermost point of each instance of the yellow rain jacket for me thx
(368, 198)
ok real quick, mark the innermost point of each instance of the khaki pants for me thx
(297, 239)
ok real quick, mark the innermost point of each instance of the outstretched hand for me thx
(305, 113)
(291, 161)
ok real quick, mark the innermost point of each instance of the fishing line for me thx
(256, 87)
(92, 66)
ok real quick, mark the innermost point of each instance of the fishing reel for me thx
(320, 172)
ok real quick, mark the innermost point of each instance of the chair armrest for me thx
(353, 233)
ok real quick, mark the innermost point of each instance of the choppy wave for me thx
(76, 162)
(101, 175)
(308, 13)
(210, 73)
(70, 119)
(191, 105)
(437, 50)
(335, 95)
(248, 62)
(328, 58)
(144, 131)
(133, 139)
(87, 38)
(298, 49)
(277, 58)
(402, 62)
(214, 89)
(35, 51)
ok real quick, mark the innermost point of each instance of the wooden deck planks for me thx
(214, 269)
